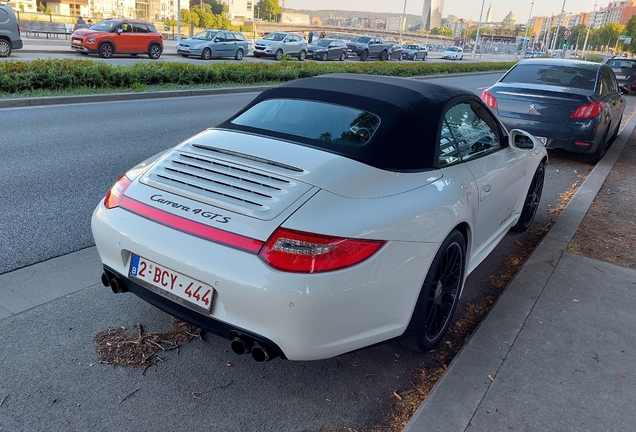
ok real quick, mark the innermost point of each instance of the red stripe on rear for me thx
(195, 228)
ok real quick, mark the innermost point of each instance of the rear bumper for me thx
(575, 135)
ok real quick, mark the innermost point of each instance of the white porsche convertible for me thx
(330, 214)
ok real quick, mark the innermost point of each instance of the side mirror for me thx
(522, 140)
(119, 31)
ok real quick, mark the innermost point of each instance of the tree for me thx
(608, 34)
(630, 30)
(218, 8)
(268, 9)
(442, 31)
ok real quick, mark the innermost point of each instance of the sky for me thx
(467, 9)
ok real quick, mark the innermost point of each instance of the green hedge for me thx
(60, 75)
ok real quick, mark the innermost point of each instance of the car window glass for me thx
(473, 136)
(229, 37)
(220, 37)
(239, 37)
(556, 75)
(309, 119)
(141, 28)
(609, 82)
(448, 149)
(125, 27)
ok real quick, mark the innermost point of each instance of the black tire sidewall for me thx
(415, 334)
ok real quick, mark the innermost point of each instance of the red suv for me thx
(118, 36)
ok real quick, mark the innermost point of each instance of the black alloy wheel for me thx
(154, 52)
(364, 56)
(106, 50)
(531, 204)
(239, 54)
(325, 56)
(384, 56)
(439, 296)
(206, 54)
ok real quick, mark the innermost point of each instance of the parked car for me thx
(301, 228)
(118, 36)
(395, 51)
(278, 44)
(9, 31)
(625, 71)
(368, 47)
(569, 104)
(214, 43)
(453, 53)
(327, 49)
(414, 52)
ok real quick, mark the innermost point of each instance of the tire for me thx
(106, 50)
(598, 153)
(206, 54)
(439, 296)
(302, 55)
(618, 126)
(343, 56)
(324, 57)
(239, 54)
(364, 56)
(424, 59)
(154, 52)
(257, 55)
(384, 56)
(134, 54)
(278, 55)
(531, 204)
(184, 55)
(5, 48)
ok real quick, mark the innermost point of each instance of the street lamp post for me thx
(587, 35)
(478, 30)
(402, 21)
(525, 37)
(558, 26)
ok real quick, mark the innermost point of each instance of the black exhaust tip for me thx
(262, 353)
(105, 279)
(240, 346)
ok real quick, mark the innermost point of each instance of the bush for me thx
(596, 58)
(68, 74)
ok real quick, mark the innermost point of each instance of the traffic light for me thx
(564, 44)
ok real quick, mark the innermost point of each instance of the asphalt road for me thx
(58, 163)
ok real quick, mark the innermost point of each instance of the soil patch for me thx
(117, 347)
(608, 230)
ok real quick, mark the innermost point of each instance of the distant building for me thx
(432, 14)
(395, 23)
(510, 20)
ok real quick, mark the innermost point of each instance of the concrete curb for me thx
(457, 396)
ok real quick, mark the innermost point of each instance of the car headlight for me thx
(90, 40)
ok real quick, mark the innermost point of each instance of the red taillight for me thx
(302, 252)
(489, 99)
(588, 111)
(18, 29)
(116, 193)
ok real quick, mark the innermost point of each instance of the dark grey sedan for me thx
(414, 52)
(569, 104)
(327, 49)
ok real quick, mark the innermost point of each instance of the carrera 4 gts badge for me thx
(203, 213)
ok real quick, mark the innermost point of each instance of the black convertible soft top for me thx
(410, 113)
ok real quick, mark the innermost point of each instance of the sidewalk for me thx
(558, 350)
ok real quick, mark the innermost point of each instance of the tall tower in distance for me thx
(489, 14)
(432, 14)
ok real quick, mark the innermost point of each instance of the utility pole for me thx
(525, 38)
(556, 33)
(478, 30)
(402, 21)
(589, 26)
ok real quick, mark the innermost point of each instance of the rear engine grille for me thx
(225, 183)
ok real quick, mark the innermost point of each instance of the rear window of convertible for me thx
(314, 120)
